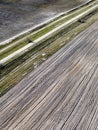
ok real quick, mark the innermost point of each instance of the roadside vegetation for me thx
(25, 40)
(15, 71)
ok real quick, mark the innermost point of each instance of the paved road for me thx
(61, 94)
(36, 42)
(41, 24)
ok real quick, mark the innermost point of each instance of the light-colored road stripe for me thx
(34, 43)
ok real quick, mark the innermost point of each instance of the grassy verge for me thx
(30, 62)
(31, 37)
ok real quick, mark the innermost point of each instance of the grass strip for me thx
(31, 37)
(12, 78)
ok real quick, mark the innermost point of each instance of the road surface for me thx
(41, 24)
(61, 94)
(36, 42)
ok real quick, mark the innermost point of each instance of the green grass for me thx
(53, 26)
(58, 42)
(32, 36)
(26, 56)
